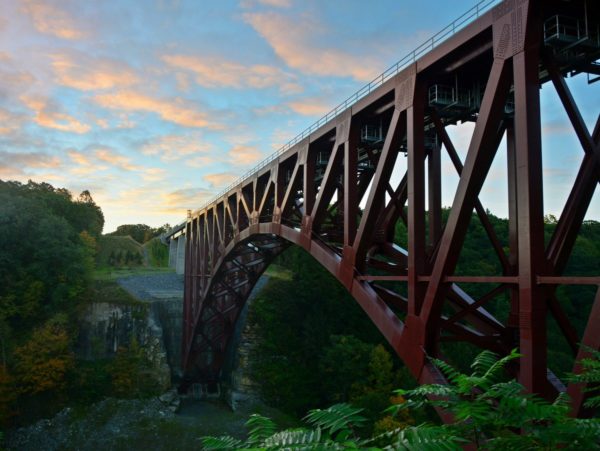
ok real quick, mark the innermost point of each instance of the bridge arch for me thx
(330, 191)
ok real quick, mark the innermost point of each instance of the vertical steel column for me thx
(416, 199)
(434, 179)
(530, 216)
(350, 184)
(513, 224)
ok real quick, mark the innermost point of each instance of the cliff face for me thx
(105, 327)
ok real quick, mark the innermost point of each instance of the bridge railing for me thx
(459, 23)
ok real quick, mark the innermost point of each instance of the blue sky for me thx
(156, 105)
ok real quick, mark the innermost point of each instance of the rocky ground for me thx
(120, 424)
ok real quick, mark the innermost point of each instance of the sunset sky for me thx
(156, 105)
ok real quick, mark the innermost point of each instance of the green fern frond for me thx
(452, 374)
(259, 428)
(424, 437)
(483, 362)
(336, 418)
(305, 439)
(492, 374)
(220, 443)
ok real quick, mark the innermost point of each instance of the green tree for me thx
(43, 361)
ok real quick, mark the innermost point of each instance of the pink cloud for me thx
(244, 155)
(48, 115)
(176, 111)
(49, 18)
(81, 72)
(214, 72)
(220, 179)
(173, 147)
(294, 41)
(310, 107)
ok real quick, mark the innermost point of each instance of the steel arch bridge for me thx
(330, 191)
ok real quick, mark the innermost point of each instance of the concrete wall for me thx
(172, 253)
(180, 263)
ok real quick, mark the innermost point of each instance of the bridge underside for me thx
(334, 195)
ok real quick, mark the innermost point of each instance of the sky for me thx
(155, 105)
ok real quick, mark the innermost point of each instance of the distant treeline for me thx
(140, 232)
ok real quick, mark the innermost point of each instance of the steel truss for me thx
(331, 194)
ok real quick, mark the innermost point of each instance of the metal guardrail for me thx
(459, 23)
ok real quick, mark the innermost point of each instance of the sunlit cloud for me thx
(154, 174)
(273, 3)
(244, 155)
(294, 41)
(15, 164)
(176, 110)
(183, 199)
(212, 72)
(310, 107)
(79, 158)
(115, 159)
(48, 115)
(84, 73)
(50, 18)
(220, 179)
(10, 122)
(173, 147)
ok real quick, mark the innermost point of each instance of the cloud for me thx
(310, 107)
(187, 198)
(115, 159)
(49, 18)
(84, 73)
(220, 179)
(294, 41)
(14, 164)
(176, 110)
(173, 147)
(244, 155)
(273, 3)
(153, 174)
(10, 122)
(212, 72)
(79, 158)
(48, 115)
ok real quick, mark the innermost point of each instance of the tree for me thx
(43, 361)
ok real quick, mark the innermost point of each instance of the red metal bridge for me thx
(330, 192)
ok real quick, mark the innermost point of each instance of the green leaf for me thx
(220, 443)
(259, 428)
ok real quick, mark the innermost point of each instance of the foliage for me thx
(140, 232)
(494, 413)
(119, 251)
(490, 412)
(8, 396)
(129, 375)
(590, 374)
(43, 361)
(314, 345)
(158, 253)
(332, 428)
(47, 242)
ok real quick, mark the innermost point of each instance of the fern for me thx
(296, 439)
(590, 374)
(220, 443)
(259, 428)
(336, 418)
(423, 437)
